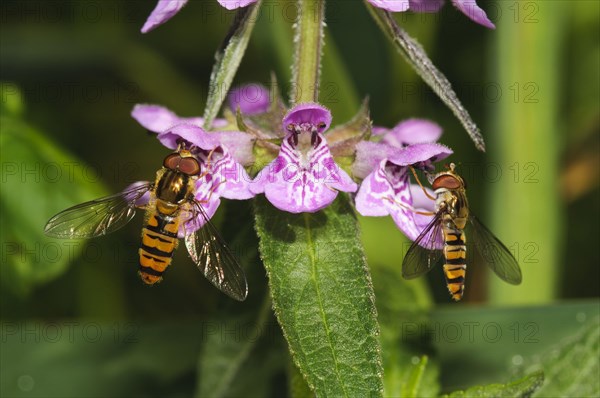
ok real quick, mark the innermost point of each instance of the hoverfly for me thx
(170, 207)
(451, 216)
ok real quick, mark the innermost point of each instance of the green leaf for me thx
(228, 59)
(38, 180)
(323, 297)
(416, 56)
(519, 388)
(572, 367)
(488, 342)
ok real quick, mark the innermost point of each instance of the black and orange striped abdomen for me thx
(159, 241)
(455, 266)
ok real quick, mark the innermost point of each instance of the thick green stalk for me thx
(525, 149)
(309, 47)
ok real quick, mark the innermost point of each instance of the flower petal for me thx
(474, 12)
(157, 118)
(308, 113)
(164, 10)
(234, 182)
(251, 99)
(413, 131)
(369, 155)
(238, 144)
(192, 134)
(412, 155)
(233, 4)
(391, 5)
(374, 193)
(298, 183)
(426, 5)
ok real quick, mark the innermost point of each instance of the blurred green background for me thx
(76, 321)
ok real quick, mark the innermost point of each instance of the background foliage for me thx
(77, 322)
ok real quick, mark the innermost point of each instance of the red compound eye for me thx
(172, 161)
(189, 166)
(446, 181)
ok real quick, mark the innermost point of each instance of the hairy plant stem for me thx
(309, 47)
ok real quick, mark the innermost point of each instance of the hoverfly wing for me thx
(97, 217)
(215, 260)
(494, 253)
(422, 255)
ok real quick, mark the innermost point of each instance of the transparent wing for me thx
(214, 258)
(418, 259)
(97, 217)
(494, 253)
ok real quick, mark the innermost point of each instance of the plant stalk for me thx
(309, 48)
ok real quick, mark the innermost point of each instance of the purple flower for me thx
(166, 9)
(386, 189)
(158, 119)
(467, 7)
(251, 99)
(221, 156)
(304, 177)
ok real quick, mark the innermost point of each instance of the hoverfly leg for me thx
(421, 185)
(412, 209)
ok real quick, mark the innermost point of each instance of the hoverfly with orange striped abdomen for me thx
(170, 207)
(451, 217)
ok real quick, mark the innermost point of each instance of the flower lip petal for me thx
(369, 155)
(474, 12)
(310, 113)
(426, 5)
(192, 134)
(413, 131)
(157, 118)
(252, 99)
(238, 144)
(233, 4)
(417, 153)
(164, 10)
(391, 5)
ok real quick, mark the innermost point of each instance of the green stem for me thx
(309, 47)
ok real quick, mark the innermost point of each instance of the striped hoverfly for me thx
(170, 207)
(451, 217)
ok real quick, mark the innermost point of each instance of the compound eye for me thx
(189, 166)
(172, 161)
(446, 181)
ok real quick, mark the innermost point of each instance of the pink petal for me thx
(426, 5)
(369, 155)
(391, 5)
(251, 99)
(371, 199)
(298, 185)
(193, 134)
(164, 10)
(157, 118)
(417, 153)
(238, 144)
(413, 131)
(234, 181)
(308, 113)
(233, 4)
(474, 12)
